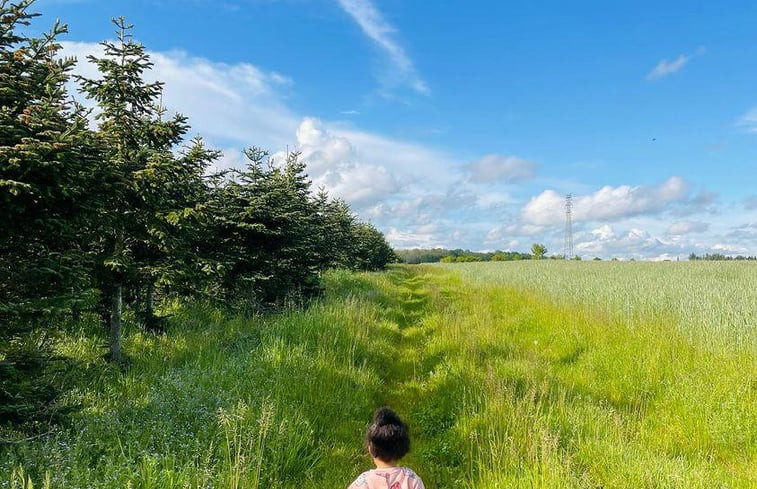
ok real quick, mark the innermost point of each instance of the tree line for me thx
(122, 212)
(720, 257)
(434, 255)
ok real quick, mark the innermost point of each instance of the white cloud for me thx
(632, 243)
(495, 167)
(607, 203)
(372, 22)
(603, 233)
(224, 102)
(414, 239)
(749, 121)
(680, 228)
(730, 249)
(745, 233)
(367, 169)
(420, 195)
(665, 67)
(491, 200)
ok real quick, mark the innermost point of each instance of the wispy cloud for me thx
(494, 167)
(679, 228)
(749, 121)
(401, 69)
(239, 103)
(667, 67)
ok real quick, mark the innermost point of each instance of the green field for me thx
(511, 375)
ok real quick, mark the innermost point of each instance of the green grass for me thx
(511, 375)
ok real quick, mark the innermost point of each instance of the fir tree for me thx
(151, 191)
(47, 176)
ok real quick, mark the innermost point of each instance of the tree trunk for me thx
(76, 311)
(150, 300)
(115, 323)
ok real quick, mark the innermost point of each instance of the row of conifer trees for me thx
(116, 213)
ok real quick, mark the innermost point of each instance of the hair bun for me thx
(385, 416)
(388, 438)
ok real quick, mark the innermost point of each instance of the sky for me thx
(465, 124)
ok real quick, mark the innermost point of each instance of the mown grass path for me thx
(411, 306)
(400, 385)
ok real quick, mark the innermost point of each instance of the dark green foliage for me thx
(28, 392)
(337, 243)
(125, 216)
(372, 252)
(46, 166)
(272, 237)
(415, 256)
(264, 224)
(152, 195)
(47, 177)
(719, 257)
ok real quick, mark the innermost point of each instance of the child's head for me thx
(387, 438)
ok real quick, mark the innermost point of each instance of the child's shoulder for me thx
(361, 481)
(413, 478)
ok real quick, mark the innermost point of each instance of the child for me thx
(388, 441)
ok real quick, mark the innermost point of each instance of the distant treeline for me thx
(415, 256)
(100, 219)
(435, 255)
(719, 257)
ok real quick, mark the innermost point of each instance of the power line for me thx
(568, 245)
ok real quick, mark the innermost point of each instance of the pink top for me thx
(392, 478)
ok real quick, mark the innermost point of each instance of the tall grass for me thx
(715, 301)
(223, 402)
(572, 382)
(507, 380)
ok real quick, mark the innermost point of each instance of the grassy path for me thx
(502, 388)
(411, 380)
(402, 385)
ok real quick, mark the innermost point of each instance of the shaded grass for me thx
(221, 401)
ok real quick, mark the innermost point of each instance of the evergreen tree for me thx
(266, 226)
(47, 179)
(337, 239)
(372, 252)
(150, 191)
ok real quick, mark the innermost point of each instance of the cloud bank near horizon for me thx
(425, 196)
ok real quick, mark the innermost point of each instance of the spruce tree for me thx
(372, 252)
(337, 246)
(151, 190)
(48, 197)
(266, 227)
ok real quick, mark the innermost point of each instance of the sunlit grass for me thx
(715, 301)
(508, 380)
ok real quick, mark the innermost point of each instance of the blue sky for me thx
(463, 124)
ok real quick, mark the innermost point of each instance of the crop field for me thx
(536, 374)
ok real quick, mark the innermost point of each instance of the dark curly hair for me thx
(388, 437)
